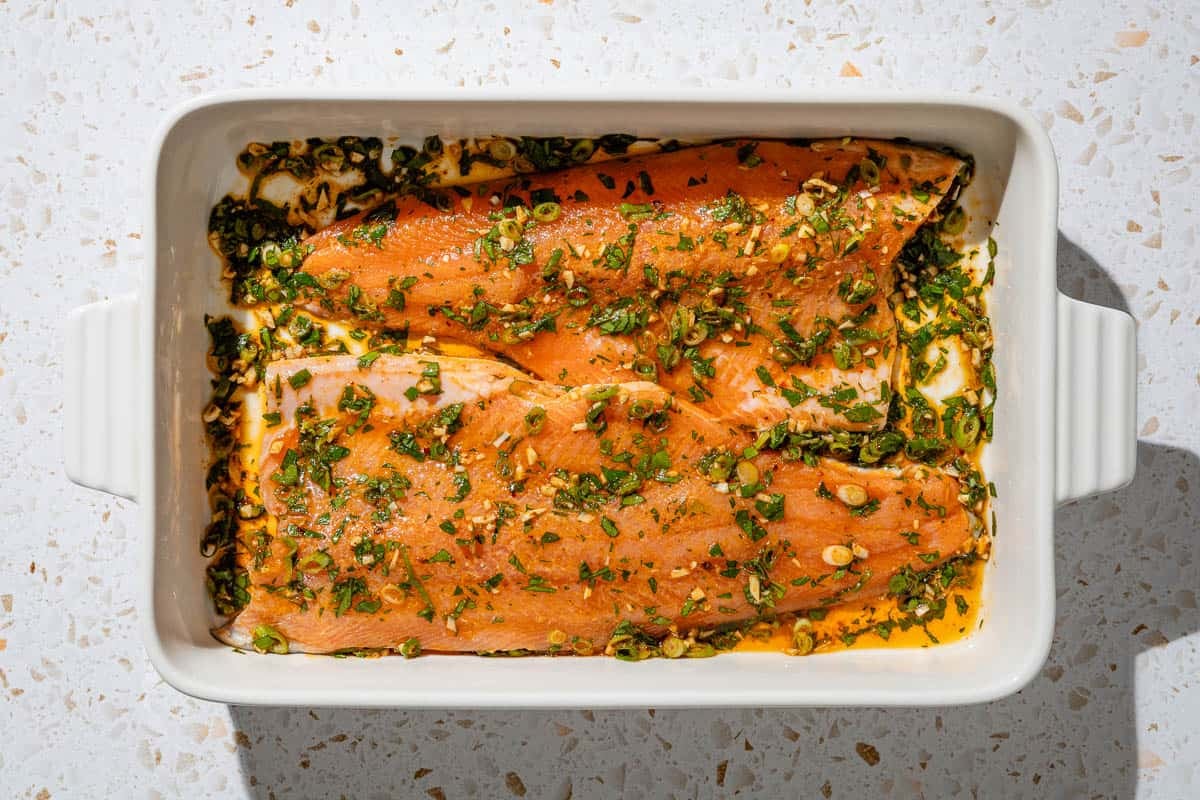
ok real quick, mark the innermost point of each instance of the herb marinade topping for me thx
(940, 311)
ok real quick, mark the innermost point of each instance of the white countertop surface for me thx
(1116, 710)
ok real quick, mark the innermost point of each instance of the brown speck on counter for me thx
(867, 753)
(721, 768)
(1068, 111)
(827, 790)
(850, 71)
(421, 773)
(1087, 155)
(513, 781)
(1134, 38)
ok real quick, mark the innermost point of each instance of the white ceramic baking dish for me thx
(136, 383)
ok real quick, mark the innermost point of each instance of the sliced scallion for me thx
(965, 431)
(268, 640)
(955, 222)
(546, 212)
(509, 228)
(869, 171)
(314, 562)
(502, 150)
(583, 150)
(535, 419)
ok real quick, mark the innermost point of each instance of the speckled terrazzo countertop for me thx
(1116, 710)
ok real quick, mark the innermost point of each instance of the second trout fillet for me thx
(750, 277)
(458, 503)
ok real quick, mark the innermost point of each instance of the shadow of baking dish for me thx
(1125, 572)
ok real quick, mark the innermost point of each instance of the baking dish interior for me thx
(1014, 190)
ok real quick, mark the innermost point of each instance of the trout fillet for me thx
(750, 277)
(459, 503)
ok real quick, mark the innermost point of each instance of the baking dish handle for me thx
(1097, 400)
(100, 400)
